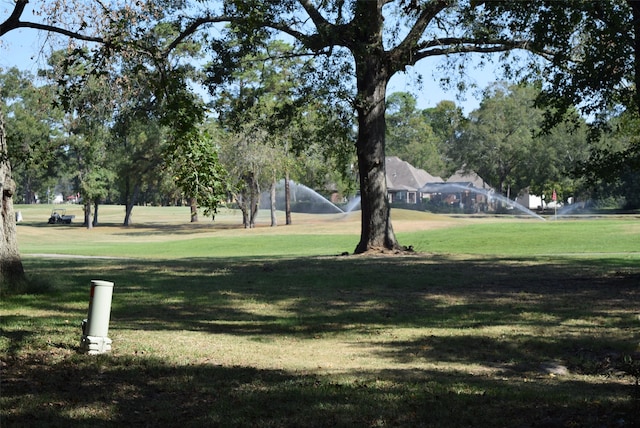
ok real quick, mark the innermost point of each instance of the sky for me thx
(25, 49)
(429, 92)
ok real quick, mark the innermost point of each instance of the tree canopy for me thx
(410, 136)
(504, 142)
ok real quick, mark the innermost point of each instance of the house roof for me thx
(462, 176)
(401, 175)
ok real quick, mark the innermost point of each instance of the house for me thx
(464, 190)
(408, 185)
(404, 181)
(533, 202)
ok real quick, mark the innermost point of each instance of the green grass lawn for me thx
(570, 237)
(493, 322)
(166, 233)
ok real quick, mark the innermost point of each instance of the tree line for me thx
(249, 146)
(115, 144)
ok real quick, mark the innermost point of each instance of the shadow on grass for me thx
(312, 296)
(309, 297)
(85, 391)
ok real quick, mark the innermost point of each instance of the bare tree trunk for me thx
(11, 269)
(254, 200)
(376, 230)
(249, 200)
(287, 199)
(245, 201)
(244, 207)
(635, 7)
(193, 203)
(272, 197)
(87, 215)
(130, 202)
(94, 222)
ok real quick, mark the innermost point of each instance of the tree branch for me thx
(62, 31)
(327, 34)
(448, 46)
(13, 22)
(193, 28)
(314, 14)
(417, 30)
(408, 46)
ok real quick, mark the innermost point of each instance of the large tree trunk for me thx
(376, 230)
(11, 268)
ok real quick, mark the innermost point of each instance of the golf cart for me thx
(60, 217)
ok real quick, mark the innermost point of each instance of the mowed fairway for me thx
(493, 321)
